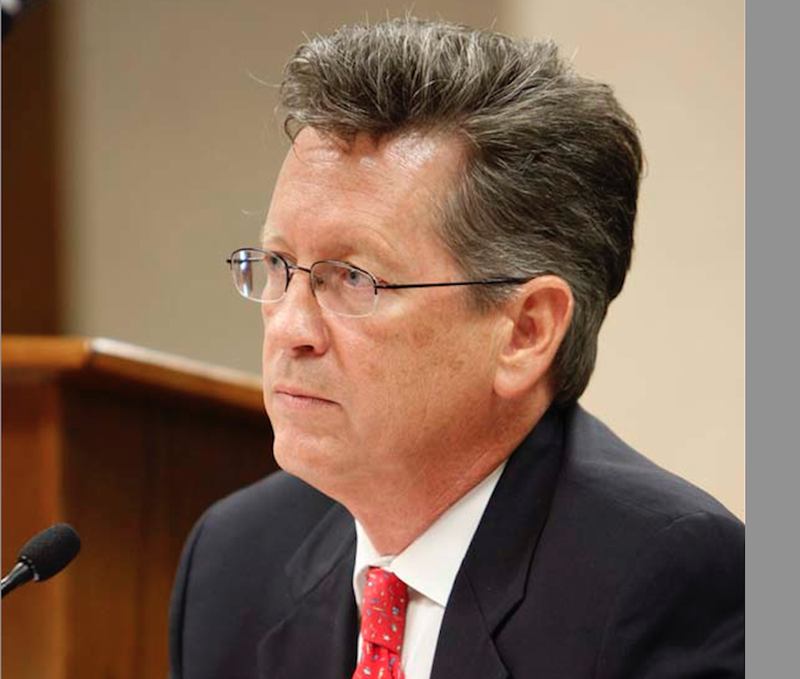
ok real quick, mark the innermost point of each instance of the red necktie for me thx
(383, 621)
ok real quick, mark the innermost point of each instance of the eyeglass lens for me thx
(264, 277)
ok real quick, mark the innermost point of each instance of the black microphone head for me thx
(51, 550)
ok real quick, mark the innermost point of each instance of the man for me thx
(451, 223)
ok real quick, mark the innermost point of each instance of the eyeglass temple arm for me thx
(504, 281)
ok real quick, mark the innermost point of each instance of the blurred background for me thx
(140, 145)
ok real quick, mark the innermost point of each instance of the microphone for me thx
(44, 555)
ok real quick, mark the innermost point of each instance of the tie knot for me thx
(383, 613)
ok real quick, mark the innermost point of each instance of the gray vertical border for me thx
(773, 568)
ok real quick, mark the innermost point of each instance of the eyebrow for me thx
(372, 248)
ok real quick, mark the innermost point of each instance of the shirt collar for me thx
(430, 564)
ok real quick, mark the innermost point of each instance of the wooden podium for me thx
(129, 446)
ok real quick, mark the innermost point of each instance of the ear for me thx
(538, 318)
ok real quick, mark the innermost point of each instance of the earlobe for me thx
(539, 317)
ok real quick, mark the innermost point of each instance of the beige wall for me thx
(169, 149)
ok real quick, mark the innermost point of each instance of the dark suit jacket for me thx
(590, 561)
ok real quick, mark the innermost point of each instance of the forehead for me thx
(399, 157)
(362, 189)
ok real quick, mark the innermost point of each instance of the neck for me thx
(395, 515)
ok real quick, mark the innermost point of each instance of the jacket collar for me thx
(494, 573)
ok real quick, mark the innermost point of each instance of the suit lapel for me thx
(493, 576)
(318, 638)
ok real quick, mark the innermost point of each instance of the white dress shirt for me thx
(428, 566)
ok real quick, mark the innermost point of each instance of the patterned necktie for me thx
(383, 621)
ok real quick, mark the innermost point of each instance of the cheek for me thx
(392, 369)
(423, 336)
(411, 365)
(415, 363)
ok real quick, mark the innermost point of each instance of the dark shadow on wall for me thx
(31, 215)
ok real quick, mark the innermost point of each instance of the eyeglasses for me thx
(264, 276)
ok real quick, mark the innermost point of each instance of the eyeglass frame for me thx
(291, 267)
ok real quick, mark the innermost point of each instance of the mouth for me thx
(295, 397)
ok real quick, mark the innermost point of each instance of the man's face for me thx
(405, 389)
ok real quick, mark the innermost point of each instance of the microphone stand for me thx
(19, 575)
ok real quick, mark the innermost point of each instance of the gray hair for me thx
(552, 174)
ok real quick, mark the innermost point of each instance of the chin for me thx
(316, 460)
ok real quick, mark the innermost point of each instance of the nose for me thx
(296, 324)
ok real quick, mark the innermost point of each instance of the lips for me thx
(299, 395)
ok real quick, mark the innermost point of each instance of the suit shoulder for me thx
(276, 512)
(689, 577)
(632, 562)
(277, 493)
(232, 584)
(599, 463)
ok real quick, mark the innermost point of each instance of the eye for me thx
(273, 261)
(353, 278)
